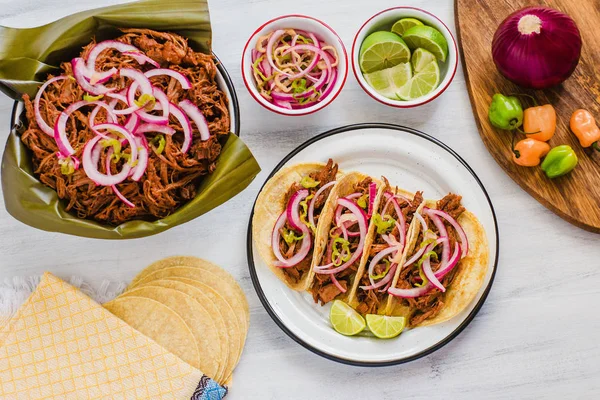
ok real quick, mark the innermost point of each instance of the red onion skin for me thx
(537, 60)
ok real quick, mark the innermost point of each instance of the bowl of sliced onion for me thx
(294, 65)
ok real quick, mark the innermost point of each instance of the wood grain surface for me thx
(576, 196)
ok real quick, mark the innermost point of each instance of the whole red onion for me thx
(537, 47)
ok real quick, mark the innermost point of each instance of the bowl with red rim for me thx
(384, 20)
(324, 34)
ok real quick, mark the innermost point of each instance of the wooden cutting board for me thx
(576, 196)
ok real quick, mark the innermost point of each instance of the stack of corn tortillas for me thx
(191, 307)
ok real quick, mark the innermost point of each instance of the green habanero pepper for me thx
(505, 112)
(559, 161)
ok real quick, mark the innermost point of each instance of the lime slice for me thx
(421, 58)
(385, 327)
(405, 24)
(388, 82)
(382, 50)
(345, 319)
(428, 38)
(421, 83)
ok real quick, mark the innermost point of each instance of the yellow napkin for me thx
(62, 345)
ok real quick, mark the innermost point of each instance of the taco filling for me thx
(390, 238)
(295, 228)
(431, 268)
(347, 236)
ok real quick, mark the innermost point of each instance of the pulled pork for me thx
(323, 289)
(172, 178)
(429, 305)
(370, 300)
(323, 176)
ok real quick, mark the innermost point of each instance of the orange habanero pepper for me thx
(529, 152)
(540, 121)
(584, 127)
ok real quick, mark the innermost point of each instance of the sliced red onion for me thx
(412, 292)
(114, 188)
(415, 256)
(79, 70)
(292, 214)
(427, 266)
(107, 44)
(182, 79)
(443, 233)
(439, 274)
(137, 76)
(100, 77)
(304, 95)
(362, 225)
(164, 129)
(317, 51)
(195, 115)
(283, 104)
(387, 279)
(111, 117)
(132, 123)
(184, 122)
(420, 218)
(445, 268)
(138, 171)
(255, 55)
(337, 284)
(311, 206)
(461, 233)
(60, 127)
(272, 40)
(298, 257)
(400, 220)
(141, 58)
(375, 260)
(163, 100)
(91, 152)
(36, 105)
(332, 79)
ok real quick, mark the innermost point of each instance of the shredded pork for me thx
(172, 178)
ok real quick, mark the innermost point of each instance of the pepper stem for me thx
(535, 103)
(596, 146)
(512, 146)
(526, 133)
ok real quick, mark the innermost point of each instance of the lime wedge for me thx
(421, 83)
(388, 82)
(421, 58)
(345, 319)
(428, 38)
(382, 50)
(385, 327)
(405, 24)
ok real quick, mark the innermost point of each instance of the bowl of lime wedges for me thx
(404, 57)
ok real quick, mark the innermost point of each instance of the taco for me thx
(380, 261)
(344, 233)
(446, 264)
(286, 216)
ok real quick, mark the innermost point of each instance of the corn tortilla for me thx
(269, 206)
(226, 325)
(159, 323)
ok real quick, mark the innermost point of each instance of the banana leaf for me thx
(28, 55)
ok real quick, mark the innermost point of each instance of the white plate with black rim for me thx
(414, 161)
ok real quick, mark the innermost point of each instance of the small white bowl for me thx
(384, 21)
(309, 24)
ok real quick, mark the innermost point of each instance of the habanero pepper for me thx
(529, 152)
(505, 112)
(584, 127)
(539, 122)
(559, 161)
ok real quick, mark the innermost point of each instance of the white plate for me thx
(414, 161)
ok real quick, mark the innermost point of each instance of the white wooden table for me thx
(535, 337)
